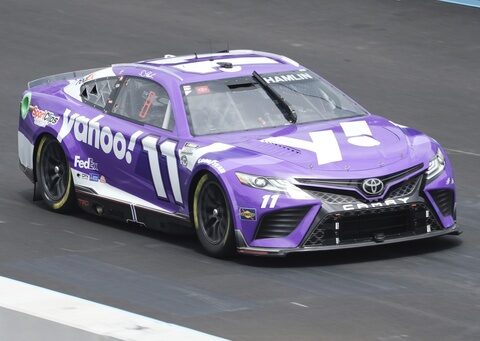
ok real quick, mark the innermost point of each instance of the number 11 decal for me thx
(266, 200)
(167, 149)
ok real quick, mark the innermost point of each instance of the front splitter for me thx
(266, 251)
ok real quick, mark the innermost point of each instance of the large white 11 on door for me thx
(167, 149)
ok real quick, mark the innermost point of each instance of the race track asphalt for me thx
(415, 62)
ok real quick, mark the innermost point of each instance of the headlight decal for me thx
(436, 165)
(272, 184)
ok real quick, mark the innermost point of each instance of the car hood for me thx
(358, 144)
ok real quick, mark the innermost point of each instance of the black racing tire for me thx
(55, 183)
(213, 218)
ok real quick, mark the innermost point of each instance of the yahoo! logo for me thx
(89, 131)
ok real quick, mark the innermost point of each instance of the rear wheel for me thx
(213, 218)
(54, 176)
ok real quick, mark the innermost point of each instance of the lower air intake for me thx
(280, 223)
(444, 198)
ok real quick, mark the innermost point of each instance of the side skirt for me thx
(92, 203)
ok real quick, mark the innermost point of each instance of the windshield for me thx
(237, 104)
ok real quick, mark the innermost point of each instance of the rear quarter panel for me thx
(44, 117)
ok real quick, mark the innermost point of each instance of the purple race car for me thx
(260, 154)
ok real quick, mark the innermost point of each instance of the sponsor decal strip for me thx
(108, 191)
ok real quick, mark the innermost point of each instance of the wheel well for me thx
(191, 190)
(35, 149)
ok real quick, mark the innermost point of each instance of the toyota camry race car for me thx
(258, 153)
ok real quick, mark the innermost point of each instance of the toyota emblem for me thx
(372, 186)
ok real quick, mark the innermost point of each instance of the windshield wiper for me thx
(326, 98)
(285, 107)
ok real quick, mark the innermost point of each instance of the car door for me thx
(144, 115)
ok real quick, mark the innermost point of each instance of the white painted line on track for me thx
(462, 152)
(36, 224)
(80, 235)
(88, 316)
(299, 304)
(472, 3)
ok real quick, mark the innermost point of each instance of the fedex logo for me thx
(85, 164)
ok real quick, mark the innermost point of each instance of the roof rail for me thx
(149, 67)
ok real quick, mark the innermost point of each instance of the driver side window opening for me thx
(146, 102)
(97, 92)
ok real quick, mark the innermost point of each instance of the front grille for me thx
(280, 223)
(444, 198)
(346, 191)
(372, 224)
(342, 197)
(332, 198)
(405, 188)
(356, 183)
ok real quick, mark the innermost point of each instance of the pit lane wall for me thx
(29, 312)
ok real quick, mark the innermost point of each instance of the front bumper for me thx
(340, 216)
(259, 251)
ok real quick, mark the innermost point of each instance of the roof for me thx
(225, 64)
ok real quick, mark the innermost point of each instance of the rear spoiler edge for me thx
(61, 77)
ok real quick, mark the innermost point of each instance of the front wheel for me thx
(213, 218)
(54, 176)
